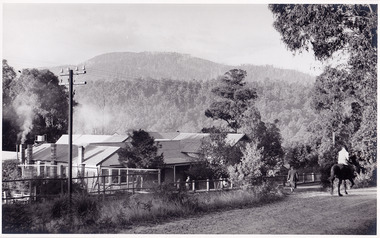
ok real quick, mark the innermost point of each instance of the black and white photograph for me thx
(189, 118)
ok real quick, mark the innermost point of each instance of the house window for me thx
(105, 174)
(42, 170)
(123, 176)
(47, 168)
(115, 175)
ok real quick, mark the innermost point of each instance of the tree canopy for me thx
(345, 94)
(34, 105)
(141, 152)
(233, 99)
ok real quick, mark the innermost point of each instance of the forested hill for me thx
(175, 66)
(170, 91)
(164, 105)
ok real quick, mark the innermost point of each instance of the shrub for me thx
(16, 218)
(325, 171)
(89, 215)
(363, 180)
(84, 211)
(249, 169)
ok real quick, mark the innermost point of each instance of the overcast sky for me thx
(37, 35)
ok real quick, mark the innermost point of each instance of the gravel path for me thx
(303, 212)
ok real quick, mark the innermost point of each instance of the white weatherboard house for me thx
(180, 150)
(94, 154)
(89, 154)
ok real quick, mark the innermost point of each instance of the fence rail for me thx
(39, 189)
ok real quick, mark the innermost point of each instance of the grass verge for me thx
(92, 215)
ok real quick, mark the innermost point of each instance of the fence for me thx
(302, 178)
(204, 185)
(115, 180)
(111, 180)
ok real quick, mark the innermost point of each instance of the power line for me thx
(71, 95)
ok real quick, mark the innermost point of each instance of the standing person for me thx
(292, 178)
(188, 183)
(343, 156)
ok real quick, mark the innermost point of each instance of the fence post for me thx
(303, 177)
(30, 191)
(312, 177)
(61, 168)
(159, 177)
(98, 184)
(127, 180)
(208, 185)
(53, 169)
(193, 185)
(104, 188)
(133, 184)
(45, 171)
(110, 176)
(38, 168)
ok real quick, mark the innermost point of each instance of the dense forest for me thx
(106, 107)
(175, 66)
(161, 91)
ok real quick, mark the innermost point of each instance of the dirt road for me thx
(304, 212)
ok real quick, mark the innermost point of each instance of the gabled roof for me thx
(93, 155)
(43, 153)
(172, 153)
(175, 146)
(164, 135)
(93, 139)
(191, 146)
(191, 136)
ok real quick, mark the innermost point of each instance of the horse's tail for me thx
(332, 173)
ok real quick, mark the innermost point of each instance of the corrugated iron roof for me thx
(191, 136)
(92, 139)
(172, 153)
(93, 155)
(164, 135)
(191, 146)
(44, 153)
(175, 146)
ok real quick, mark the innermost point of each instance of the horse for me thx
(344, 172)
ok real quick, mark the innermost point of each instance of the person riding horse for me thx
(345, 169)
(343, 156)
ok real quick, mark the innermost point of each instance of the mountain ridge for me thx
(177, 66)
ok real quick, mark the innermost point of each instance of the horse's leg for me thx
(339, 183)
(332, 186)
(352, 182)
(345, 187)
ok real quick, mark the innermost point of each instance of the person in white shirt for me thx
(343, 156)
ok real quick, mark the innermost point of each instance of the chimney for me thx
(53, 152)
(80, 155)
(53, 160)
(17, 152)
(81, 165)
(22, 153)
(29, 151)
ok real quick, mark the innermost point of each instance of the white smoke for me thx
(89, 119)
(25, 108)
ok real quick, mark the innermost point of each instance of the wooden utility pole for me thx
(70, 129)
